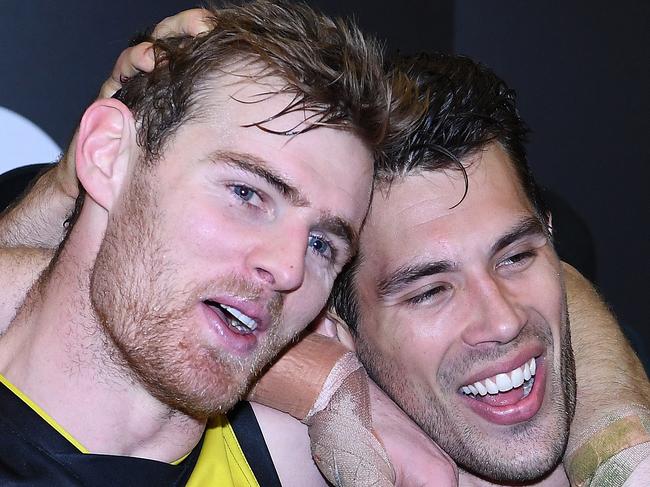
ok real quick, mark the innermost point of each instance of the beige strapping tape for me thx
(346, 365)
(340, 427)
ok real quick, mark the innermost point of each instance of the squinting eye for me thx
(517, 259)
(426, 295)
(320, 246)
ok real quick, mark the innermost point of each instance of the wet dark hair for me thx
(468, 107)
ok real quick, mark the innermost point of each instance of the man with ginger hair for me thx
(222, 194)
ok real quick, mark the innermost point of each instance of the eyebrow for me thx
(259, 167)
(407, 274)
(342, 229)
(327, 223)
(528, 226)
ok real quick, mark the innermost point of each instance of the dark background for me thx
(581, 69)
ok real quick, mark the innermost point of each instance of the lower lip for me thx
(231, 340)
(518, 412)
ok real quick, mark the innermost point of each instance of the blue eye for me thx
(243, 192)
(247, 196)
(320, 246)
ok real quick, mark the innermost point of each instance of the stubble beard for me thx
(147, 319)
(532, 450)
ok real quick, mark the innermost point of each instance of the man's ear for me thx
(343, 332)
(107, 141)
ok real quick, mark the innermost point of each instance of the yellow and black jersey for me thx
(36, 451)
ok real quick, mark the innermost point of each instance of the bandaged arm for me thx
(609, 442)
(322, 384)
(353, 426)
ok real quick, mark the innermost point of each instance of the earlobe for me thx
(104, 149)
(342, 330)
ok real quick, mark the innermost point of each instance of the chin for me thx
(530, 465)
(201, 393)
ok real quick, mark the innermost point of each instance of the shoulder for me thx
(288, 443)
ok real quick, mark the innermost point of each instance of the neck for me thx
(56, 352)
(556, 478)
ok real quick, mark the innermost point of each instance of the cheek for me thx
(207, 232)
(302, 306)
(413, 342)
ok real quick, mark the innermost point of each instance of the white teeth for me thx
(481, 388)
(527, 374)
(505, 382)
(249, 322)
(491, 387)
(517, 377)
(533, 366)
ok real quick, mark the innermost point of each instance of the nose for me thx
(497, 317)
(278, 257)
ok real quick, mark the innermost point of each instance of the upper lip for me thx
(255, 309)
(505, 365)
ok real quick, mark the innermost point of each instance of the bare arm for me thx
(610, 380)
(608, 372)
(19, 268)
(294, 385)
(288, 443)
(37, 219)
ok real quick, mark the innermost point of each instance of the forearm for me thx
(295, 380)
(37, 220)
(611, 422)
(608, 372)
(358, 435)
(19, 269)
(321, 383)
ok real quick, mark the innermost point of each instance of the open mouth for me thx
(237, 321)
(518, 382)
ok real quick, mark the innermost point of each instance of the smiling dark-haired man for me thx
(456, 302)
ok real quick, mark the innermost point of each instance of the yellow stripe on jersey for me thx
(232, 470)
(46, 417)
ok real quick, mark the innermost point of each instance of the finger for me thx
(133, 60)
(189, 22)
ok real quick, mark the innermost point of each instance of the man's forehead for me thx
(488, 179)
(245, 96)
(427, 212)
